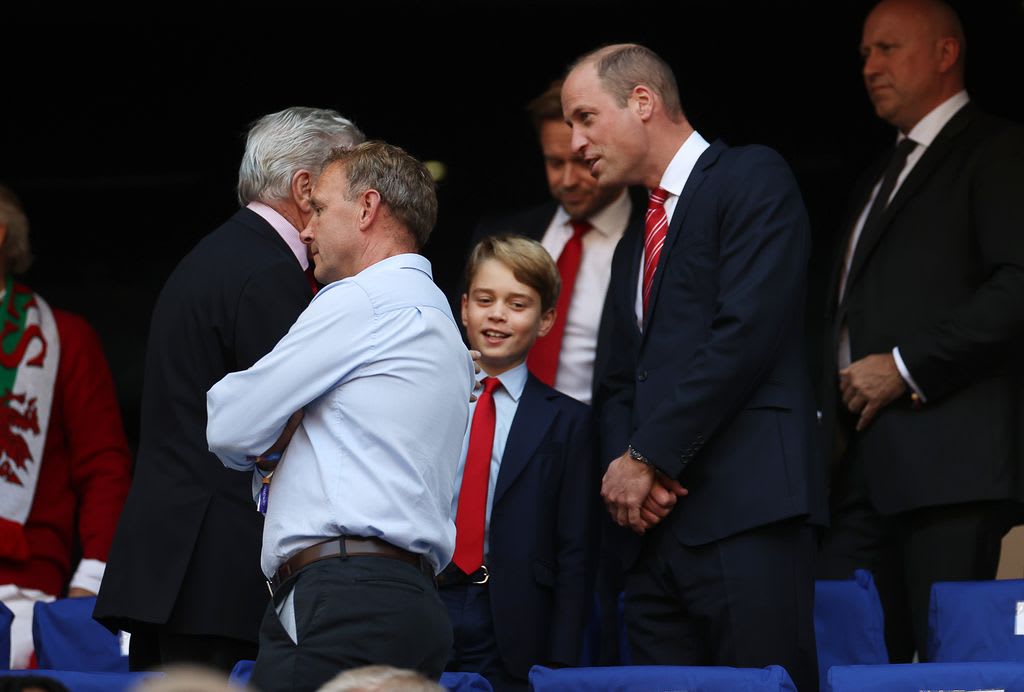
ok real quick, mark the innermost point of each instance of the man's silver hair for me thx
(283, 143)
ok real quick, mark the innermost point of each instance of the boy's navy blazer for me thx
(541, 535)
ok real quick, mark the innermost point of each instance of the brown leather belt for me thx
(346, 546)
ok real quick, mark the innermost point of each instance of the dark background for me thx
(123, 137)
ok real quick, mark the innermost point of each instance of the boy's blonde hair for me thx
(529, 261)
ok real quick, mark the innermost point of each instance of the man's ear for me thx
(642, 101)
(302, 190)
(3, 233)
(369, 208)
(949, 52)
(547, 321)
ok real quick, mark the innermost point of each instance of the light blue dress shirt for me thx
(378, 364)
(506, 403)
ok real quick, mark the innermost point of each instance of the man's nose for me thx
(578, 142)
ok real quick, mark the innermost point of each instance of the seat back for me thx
(78, 681)
(66, 638)
(976, 621)
(465, 682)
(646, 678)
(241, 673)
(849, 627)
(1006, 677)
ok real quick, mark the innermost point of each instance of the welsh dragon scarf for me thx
(29, 353)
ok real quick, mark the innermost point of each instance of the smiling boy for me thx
(518, 587)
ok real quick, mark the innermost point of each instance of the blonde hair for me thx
(529, 261)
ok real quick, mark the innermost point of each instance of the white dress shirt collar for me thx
(513, 380)
(928, 128)
(679, 168)
(609, 222)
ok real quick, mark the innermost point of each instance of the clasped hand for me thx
(637, 495)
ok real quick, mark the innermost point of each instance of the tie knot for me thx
(490, 384)
(580, 226)
(906, 146)
(658, 196)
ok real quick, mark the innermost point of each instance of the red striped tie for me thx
(471, 513)
(655, 230)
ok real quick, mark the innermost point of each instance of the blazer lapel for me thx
(535, 414)
(923, 170)
(675, 227)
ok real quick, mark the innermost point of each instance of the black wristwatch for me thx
(637, 456)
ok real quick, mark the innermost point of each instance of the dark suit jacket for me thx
(715, 390)
(541, 535)
(187, 548)
(942, 278)
(532, 223)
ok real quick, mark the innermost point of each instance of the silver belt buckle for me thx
(486, 578)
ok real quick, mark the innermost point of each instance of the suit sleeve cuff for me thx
(905, 374)
(88, 575)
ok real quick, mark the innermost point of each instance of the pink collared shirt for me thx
(285, 229)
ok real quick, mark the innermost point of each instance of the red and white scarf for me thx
(29, 353)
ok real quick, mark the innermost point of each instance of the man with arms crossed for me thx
(358, 509)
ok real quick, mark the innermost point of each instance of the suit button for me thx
(642, 376)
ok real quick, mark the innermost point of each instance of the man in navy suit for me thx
(518, 587)
(184, 571)
(707, 416)
(923, 386)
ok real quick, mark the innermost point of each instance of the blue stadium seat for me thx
(241, 673)
(77, 681)
(646, 678)
(976, 621)
(915, 677)
(66, 638)
(465, 682)
(849, 627)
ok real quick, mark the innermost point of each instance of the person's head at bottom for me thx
(380, 679)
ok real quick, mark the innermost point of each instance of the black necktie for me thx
(897, 161)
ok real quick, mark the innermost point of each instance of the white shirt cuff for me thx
(905, 374)
(88, 575)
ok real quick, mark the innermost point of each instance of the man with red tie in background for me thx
(579, 228)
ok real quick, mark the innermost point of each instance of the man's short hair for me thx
(529, 261)
(17, 251)
(405, 185)
(380, 679)
(623, 67)
(547, 106)
(283, 143)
